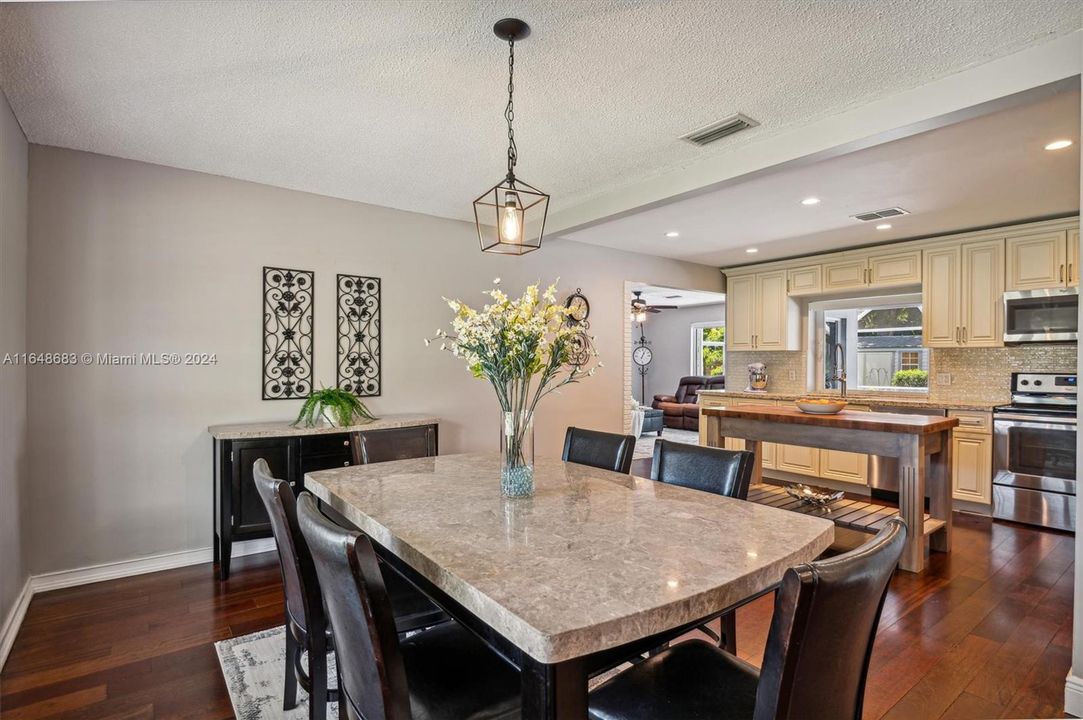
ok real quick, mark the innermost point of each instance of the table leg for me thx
(554, 692)
(756, 447)
(912, 464)
(940, 494)
(712, 430)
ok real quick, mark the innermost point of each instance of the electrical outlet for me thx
(943, 378)
(792, 375)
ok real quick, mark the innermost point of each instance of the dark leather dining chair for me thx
(713, 470)
(607, 451)
(384, 446)
(814, 666)
(442, 673)
(306, 624)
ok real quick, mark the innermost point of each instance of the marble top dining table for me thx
(595, 560)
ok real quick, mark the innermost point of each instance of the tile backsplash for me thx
(981, 374)
(978, 375)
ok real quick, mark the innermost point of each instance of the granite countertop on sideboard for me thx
(870, 399)
(246, 431)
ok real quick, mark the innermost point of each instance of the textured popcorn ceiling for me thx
(399, 103)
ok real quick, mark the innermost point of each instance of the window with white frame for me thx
(708, 348)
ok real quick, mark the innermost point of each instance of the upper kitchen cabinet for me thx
(1040, 261)
(1073, 258)
(876, 270)
(760, 315)
(806, 280)
(961, 295)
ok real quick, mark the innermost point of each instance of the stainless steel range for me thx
(1034, 451)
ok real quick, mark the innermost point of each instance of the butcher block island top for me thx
(849, 420)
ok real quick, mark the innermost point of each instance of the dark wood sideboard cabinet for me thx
(238, 511)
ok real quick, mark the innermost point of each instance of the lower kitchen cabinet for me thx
(797, 459)
(238, 511)
(972, 467)
(844, 466)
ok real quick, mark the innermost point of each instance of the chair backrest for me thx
(608, 451)
(714, 470)
(822, 632)
(385, 445)
(372, 675)
(302, 588)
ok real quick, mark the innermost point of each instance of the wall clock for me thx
(578, 307)
(642, 356)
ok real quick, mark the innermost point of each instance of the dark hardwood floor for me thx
(984, 632)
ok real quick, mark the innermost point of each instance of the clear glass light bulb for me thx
(510, 230)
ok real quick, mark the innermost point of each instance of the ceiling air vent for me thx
(880, 214)
(722, 128)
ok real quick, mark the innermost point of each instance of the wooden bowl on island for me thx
(820, 406)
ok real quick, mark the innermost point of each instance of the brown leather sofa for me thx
(680, 410)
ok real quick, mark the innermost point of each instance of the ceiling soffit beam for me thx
(1050, 67)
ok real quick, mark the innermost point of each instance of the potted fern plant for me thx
(337, 407)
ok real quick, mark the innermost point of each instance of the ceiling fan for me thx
(640, 307)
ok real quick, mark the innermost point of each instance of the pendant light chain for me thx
(509, 112)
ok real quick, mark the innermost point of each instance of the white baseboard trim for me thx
(140, 566)
(1073, 695)
(14, 621)
(111, 571)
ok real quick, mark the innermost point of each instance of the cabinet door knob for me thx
(346, 443)
(293, 483)
(346, 464)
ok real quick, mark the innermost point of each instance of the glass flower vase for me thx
(517, 454)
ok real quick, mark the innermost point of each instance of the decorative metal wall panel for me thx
(287, 333)
(359, 335)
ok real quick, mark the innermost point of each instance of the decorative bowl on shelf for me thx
(820, 406)
(813, 495)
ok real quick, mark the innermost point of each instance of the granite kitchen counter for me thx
(865, 399)
(247, 431)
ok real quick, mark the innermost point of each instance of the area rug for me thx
(254, 666)
(645, 444)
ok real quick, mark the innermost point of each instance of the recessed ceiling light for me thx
(1058, 145)
(811, 201)
(883, 226)
(752, 250)
(673, 233)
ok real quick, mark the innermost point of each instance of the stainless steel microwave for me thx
(1041, 315)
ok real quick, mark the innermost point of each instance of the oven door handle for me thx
(1035, 419)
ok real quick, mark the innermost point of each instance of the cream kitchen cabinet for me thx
(878, 270)
(806, 280)
(972, 457)
(798, 459)
(961, 295)
(760, 315)
(1073, 258)
(1039, 261)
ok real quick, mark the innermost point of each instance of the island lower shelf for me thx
(850, 514)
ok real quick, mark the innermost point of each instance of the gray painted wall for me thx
(131, 257)
(670, 335)
(13, 448)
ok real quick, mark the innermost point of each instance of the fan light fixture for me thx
(510, 216)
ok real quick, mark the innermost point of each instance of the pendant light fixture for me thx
(510, 216)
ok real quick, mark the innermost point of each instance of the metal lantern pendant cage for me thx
(510, 216)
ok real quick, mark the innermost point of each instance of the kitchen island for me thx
(922, 445)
